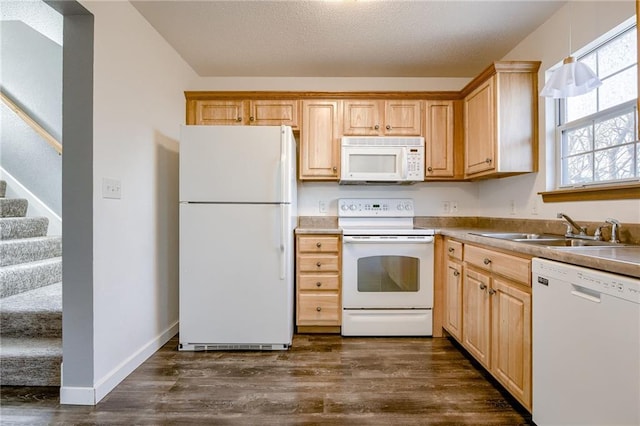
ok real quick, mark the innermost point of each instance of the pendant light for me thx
(573, 78)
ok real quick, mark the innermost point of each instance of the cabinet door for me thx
(402, 118)
(511, 338)
(220, 113)
(439, 139)
(320, 142)
(274, 113)
(453, 299)
(476, 316)
(479, 131)
(361, 118)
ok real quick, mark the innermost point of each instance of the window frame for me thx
(605, 190)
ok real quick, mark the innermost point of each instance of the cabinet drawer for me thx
(318, 244)
(509, 266)
(318, 309)
(318, 263)
(453, 249)
(319, 282)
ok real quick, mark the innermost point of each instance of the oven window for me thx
(385, 274)
(378, 163)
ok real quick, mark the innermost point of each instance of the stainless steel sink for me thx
(547, 240)
(520, 236)
(573, 242)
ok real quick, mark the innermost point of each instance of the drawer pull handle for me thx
(318, 244)
(451, 249)
(318, 284)
(486, 261)
(492, 292)
(318, 264)
(482, 286)
(456, 273)
(318, 309)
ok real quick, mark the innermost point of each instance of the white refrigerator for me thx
(237, 216)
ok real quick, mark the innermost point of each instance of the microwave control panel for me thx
(415, 160)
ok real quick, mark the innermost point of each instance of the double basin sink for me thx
(547, 240)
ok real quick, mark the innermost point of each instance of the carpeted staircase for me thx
(30, 297)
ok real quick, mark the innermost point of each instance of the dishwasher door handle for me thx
(586, 296)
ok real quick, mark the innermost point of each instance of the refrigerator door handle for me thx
(284, 177)
(283, 239)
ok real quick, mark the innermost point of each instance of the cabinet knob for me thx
(318, 244)
(318, 284)
(488, 160)
(239, 119)
(251, 119)
(335, 169)
(451, 249)
(376, 127)
(456, 273)
(486, 261)
(318, 264)
(492, 292)
(429, 169)
(482, 286)
(318, 309)
(388, 127)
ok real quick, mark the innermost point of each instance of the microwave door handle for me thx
(405, 163)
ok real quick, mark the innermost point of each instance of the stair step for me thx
(24, 250)
(23, 277)
(23, 227)
(34, 313)
(30, 361)
(13, 207)
(3, 188)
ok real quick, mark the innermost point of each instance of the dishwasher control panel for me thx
(620, 286)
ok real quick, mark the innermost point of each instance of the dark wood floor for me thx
(322, 379)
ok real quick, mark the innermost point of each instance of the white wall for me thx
(138, 107)
(550, 44)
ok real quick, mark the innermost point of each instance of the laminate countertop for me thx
(622, 259)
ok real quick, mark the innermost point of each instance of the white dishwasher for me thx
(586, 346)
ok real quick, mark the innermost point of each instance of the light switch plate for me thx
(111, 188)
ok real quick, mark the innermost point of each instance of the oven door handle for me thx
(387, 240)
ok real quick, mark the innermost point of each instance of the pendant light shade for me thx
(573, 78)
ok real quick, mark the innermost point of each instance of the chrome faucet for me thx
(615, 226)
(571, 224)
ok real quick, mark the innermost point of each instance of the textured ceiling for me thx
(344, 38)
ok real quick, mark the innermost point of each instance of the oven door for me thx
(387, 272)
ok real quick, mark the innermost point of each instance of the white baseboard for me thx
(91, 396)
(36, 207)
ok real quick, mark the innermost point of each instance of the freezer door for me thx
(236, 274)
(251, 164)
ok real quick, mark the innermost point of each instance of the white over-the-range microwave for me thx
(382, 160)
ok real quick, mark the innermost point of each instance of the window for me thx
(598, 132)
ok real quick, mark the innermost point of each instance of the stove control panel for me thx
(375, 207)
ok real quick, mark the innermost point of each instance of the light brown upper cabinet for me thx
(500, 121)
(247, 112)
(443, 140)
(320, 140)
(366, 117)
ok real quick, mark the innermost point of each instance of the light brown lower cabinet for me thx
(318, 266)
(495, 304)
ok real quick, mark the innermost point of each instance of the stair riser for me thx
(23, 227)
(13, 207)
(28, 371)
(24, 277)
(13, 252)
(30, 324)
